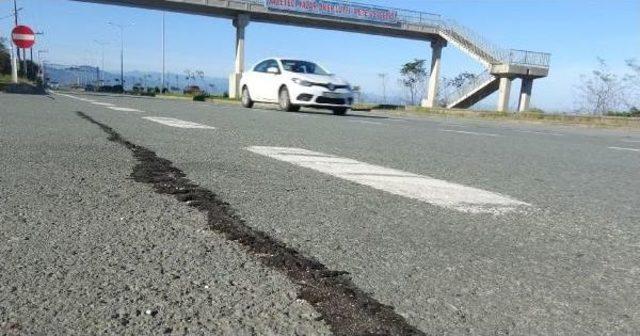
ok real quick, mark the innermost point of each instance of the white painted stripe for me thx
(102, 104)
(631, 141)
(423, 188)
(470, 133)
(365, 122)
(177, 123)
(23, 37)
(625, 149)
(123, 109)
(539, 132)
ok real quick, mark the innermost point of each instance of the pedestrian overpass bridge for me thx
(502, 66)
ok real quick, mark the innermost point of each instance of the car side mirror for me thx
(273, 70)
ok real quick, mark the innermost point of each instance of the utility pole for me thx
(383, 76)
(121, 27)
(163, 52)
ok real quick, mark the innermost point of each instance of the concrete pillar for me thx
(525, 94)
(240, 22)
(503, 94)
(431, 99)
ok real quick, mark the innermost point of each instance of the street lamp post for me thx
(101, 44)
(121, 27)
(163, 51)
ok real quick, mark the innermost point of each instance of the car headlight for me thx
(301, 82)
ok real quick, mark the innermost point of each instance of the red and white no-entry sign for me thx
(23, 37)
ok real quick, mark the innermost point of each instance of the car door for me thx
(271, 81)
(256, 81)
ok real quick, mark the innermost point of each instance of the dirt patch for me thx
(345, 308)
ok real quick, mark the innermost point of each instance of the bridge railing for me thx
(526, 57)
(469, 38)
(475, 83)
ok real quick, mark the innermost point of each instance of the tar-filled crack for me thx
(342, 305)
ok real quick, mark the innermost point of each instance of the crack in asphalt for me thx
(347, 309)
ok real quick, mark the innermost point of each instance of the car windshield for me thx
(304, 67)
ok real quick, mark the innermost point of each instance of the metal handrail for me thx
(470, 86)
(468, 38)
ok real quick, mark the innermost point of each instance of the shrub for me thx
(200, 97)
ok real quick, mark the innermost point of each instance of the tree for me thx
(451, 86)
(413, 76)
(633, 80)
(601, 91)
(5, 58)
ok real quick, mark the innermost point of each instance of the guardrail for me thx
(483, 47)
(526, 57)
(469, 86)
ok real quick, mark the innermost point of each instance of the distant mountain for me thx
(84, 75)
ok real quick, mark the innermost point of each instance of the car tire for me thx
(340, 111)
(284, 101)
(246, 98)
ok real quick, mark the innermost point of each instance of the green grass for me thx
(532, 116)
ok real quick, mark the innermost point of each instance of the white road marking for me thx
(423, 188)
(365, 122)
(123, 109)
(177, 123)
(102, 104)
(631, 141)
(539, 132)
(74, 97)
(625, 149)
(470, 133)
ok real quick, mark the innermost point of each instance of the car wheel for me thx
(246, 98)
(340, 111)
(285, 101)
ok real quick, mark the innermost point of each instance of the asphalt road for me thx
(462, 227)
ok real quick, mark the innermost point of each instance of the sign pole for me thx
(14, 65)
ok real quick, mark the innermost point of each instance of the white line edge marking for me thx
(625, 149)
(539, 132)
(419, 187)
(177, 123)
(470, 133)
(102, 104)
(123, 109)
(631, 141)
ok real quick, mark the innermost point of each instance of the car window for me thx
(303, 67)
(273, 64)
(262, 66)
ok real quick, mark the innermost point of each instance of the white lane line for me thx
(470, 133)
(625, 149)
(365, 122)
(423, 188)
(123, 109)
(74, 97)
(631, 141)
(539, 132)
(177, 123)
(102, 104)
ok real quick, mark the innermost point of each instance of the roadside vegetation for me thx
(5, 67)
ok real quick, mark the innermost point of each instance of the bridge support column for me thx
(525, 94)
(431, 99)
(503, 94)
(241, 22)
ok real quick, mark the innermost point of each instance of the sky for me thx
(575, 32)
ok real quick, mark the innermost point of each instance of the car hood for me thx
(320, 79)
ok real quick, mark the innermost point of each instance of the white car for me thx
(294, 83)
